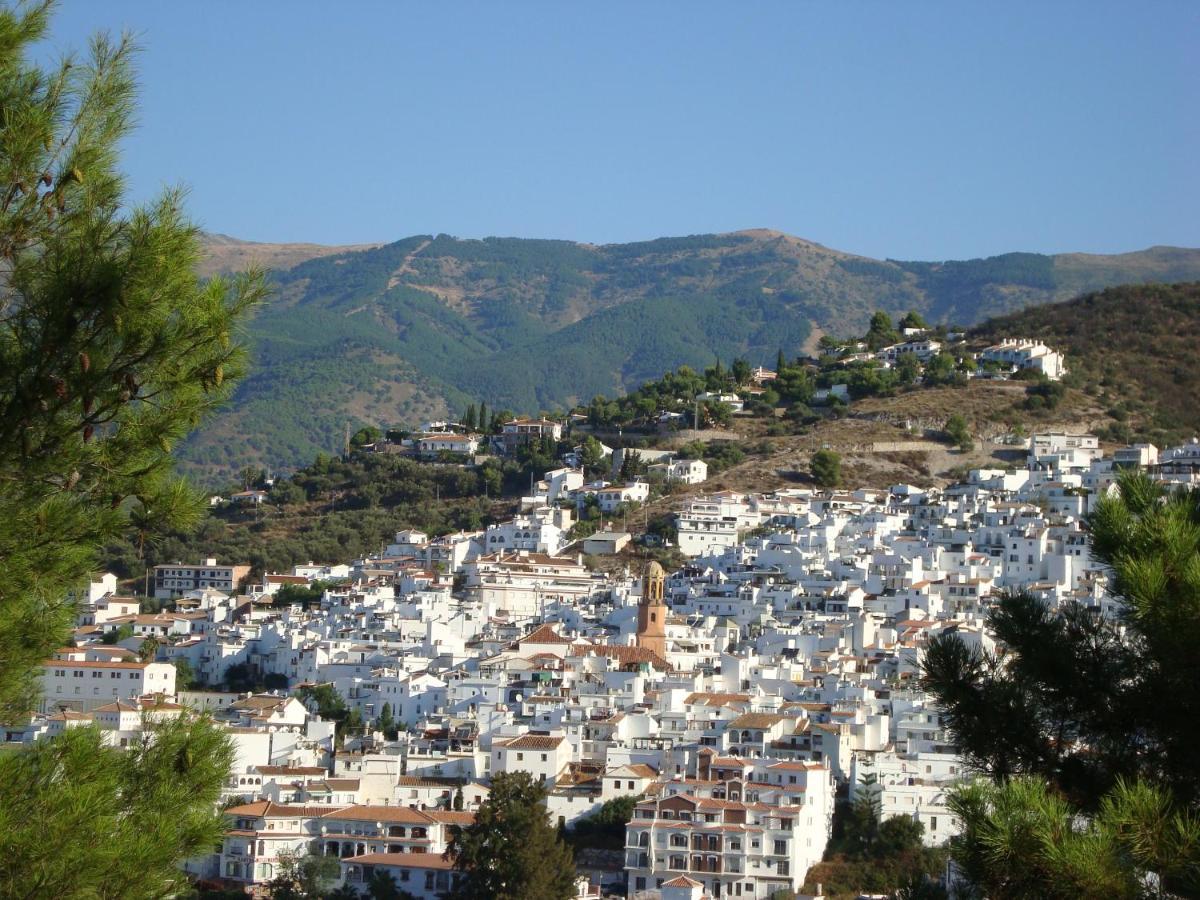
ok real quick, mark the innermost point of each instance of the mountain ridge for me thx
(395, 333)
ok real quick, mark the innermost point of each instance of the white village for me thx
(730, 701)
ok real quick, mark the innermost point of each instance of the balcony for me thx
(709, 865)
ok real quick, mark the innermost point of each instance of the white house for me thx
(542, 754)
(431, 444)
(1020, 353)
(683, 471)
(84, 685)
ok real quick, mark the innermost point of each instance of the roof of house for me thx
(544, 634)
(291, 770)
(532, 742)
(403, 860)
(627, 655)
(758, 720)
(716, 699)
(264, 809)
(391, 814)
(89, 664)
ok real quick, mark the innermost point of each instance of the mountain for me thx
(1131, 347)
(393, 334)
(224, 254)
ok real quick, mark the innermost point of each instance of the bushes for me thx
(605, 828)
(958, 433)
(1045, 394)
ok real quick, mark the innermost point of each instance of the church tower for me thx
(652, 611)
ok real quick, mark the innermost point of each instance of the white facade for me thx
(176, 579)
(84, 685)
(1025, 354)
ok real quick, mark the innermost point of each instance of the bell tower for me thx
(652, 611)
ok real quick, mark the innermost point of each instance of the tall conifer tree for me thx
(111, 351)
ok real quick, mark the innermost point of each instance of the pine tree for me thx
(386, 722)
(881, 332)
(1020, 838)
(512, 852)
(484, 424)
(1086, 717)
(826, 468)
(780, 362)
(630, 465)
(1083, 700)
(112, 351)
(468, 419)
(82, 818)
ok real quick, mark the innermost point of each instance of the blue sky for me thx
(912, 130)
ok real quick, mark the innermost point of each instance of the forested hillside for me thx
(1132, 347)
(423, 326)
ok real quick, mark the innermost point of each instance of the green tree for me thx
(287, 493)
(631, 465)
(908, 369)
(331, 706)
(111, 351)
(366, 435)
(275, 681)
(122, 632)
(1079, 699)
(606, 826)
(942, 370)
(1020, 839)
(881, 332)
(1044, 394)
(1095, 712)
(386, 723)
(81, 818)
(148, 649)
(295, 594)
(826, 468)
(958, 432)
(240, 678)
(383, 886)
(740, 370)
(251, 477)
(511, 851)
(860, 833)
(591, 454)
(302, 876)
(468, 419)
(898, 835)
(913, 319)
(185, 675)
